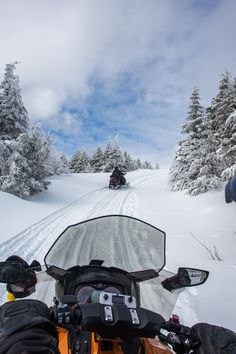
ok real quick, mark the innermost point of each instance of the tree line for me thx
(107, 160)
(206, 155)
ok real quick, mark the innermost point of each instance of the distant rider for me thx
(119, 175)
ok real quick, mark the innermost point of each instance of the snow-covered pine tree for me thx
(206, 168)
(221, 108)
(73, 160)
(117, 154)
(62, 165)
(189, 148)
(128, 163)
(147, 165)
(228, 147)
(97, 160)
(138, 164)
(5, 154)
(110, 161)
(80, 162)
(157, 166)
(57, 162)
(13, 115)
(27, 164)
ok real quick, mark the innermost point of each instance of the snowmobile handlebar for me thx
(118, 320)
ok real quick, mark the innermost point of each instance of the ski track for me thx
(32, 242)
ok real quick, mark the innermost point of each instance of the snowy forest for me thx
(28, 155)
(107, 160)
(206, 155)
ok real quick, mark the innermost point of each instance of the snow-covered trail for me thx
(34, 242)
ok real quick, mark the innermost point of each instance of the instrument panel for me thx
(84, 292)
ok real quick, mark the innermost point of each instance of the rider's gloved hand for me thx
(25, 327)
(27, 285)
(214, 339)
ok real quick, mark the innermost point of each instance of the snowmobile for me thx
(107, 271)
(117, 182)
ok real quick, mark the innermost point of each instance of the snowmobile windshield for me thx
(119, 241)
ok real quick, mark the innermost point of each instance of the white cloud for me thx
(168, 46)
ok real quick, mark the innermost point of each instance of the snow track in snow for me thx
(34, 242)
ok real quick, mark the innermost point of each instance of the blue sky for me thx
(93, 69)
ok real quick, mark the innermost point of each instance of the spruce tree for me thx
(27, 165)
(80, 162)
(74, 160)
(147, 165)
(228, 147)
(221, 108)
(189, 148)
(97, 160)
(13, 115)
(138, 164)
(128, 163)
(109, 163)
(5, 155)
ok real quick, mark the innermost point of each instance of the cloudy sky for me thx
(91, 69)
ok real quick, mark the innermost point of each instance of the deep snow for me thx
(187, 221)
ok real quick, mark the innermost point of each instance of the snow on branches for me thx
(106, 161)
(27, 155)
(206, 155)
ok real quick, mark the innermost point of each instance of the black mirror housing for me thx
(185, 277)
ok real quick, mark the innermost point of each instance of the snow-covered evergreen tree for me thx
(113, 156)
(97, 160)
(57, 163)
(222, 121)
(138, 164)
(221, 108)
(228, 147)
(190, 147)
(117, 154)
(147, 165)
(5, 154)
(128, 162)
(109, 160)
(27, 164)
(80, 162)
(62, 165)
(205, 169)
(13, 115)
(73, 160)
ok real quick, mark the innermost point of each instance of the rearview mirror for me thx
(11, 272)
(185, 277)
(192, 276)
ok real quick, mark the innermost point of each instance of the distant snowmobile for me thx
(117, 179)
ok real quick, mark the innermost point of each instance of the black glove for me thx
(26, 324)
(26, 286)
(214, 339)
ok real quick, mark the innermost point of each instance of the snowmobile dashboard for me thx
(82, 281)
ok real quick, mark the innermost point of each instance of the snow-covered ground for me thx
(196, 227)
